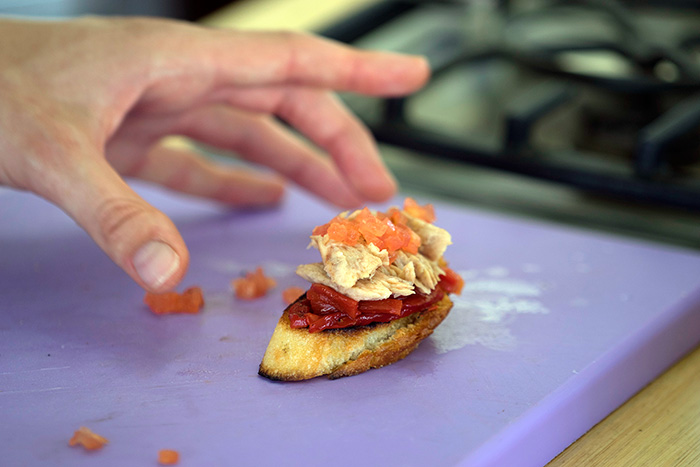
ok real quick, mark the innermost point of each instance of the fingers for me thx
(323, 118)
(260, 58)
(314, 61)
(263, 141)
(136, 236)
(188, 172)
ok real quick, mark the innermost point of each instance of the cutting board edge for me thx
(573, 401)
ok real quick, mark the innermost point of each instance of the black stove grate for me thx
(662, 161)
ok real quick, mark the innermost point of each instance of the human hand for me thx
(86, 101)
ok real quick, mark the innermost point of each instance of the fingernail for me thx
(155, 263)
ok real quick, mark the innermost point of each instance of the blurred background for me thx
(183, 9)
(580, 112)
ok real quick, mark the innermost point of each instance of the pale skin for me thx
(86, 102)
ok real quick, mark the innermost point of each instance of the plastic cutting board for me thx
(555, 329)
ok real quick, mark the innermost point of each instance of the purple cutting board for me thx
(555, 329)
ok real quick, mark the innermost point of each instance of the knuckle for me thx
(257, 127)
(293, 38)
(143, 32)
(294, 42)
(301, 170)
(139, 28)
(118, 218)
(54, 152)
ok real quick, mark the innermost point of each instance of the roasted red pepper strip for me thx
(451, 282)
(390, 306)
(336, 320)
(326, 315)
(325, 300)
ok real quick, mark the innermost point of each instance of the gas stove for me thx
(599, 99)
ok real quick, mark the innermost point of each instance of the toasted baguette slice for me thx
(297, 354)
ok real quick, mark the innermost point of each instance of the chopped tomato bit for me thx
(88, 439)
(338, 231)
(396, 216)
(425, 212)
(387, 231)
(190, 301)
(370, 225)
(253, 285)
(321, 229)
(353, 237)
(393, 244)
(290, 294)
(168, 457)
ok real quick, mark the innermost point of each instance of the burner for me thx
(602, 42)
(593, 93)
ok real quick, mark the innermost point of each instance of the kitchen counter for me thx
(658, 426)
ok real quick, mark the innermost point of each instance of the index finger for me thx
(259, 58)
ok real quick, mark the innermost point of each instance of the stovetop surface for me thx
(595, 130)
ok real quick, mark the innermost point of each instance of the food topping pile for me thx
(376, 267)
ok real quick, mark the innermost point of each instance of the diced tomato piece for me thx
(88, 439)
(396, 241)
(414, 243)
(338, 231)
(168, 457)
(320, 229)
(425, 212)
(396, 216)
(253, 285)
(369, 225)
(190, 301)
(387, 231)
(194, 298)
(392, 256)
(245, 289)
(378, 242)
(290, 294)
(353, 236)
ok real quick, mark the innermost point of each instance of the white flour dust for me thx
(272, 268)
(490, 301)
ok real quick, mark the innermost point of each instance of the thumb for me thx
(137, 237)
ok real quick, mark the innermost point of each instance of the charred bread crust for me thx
(297, 354)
